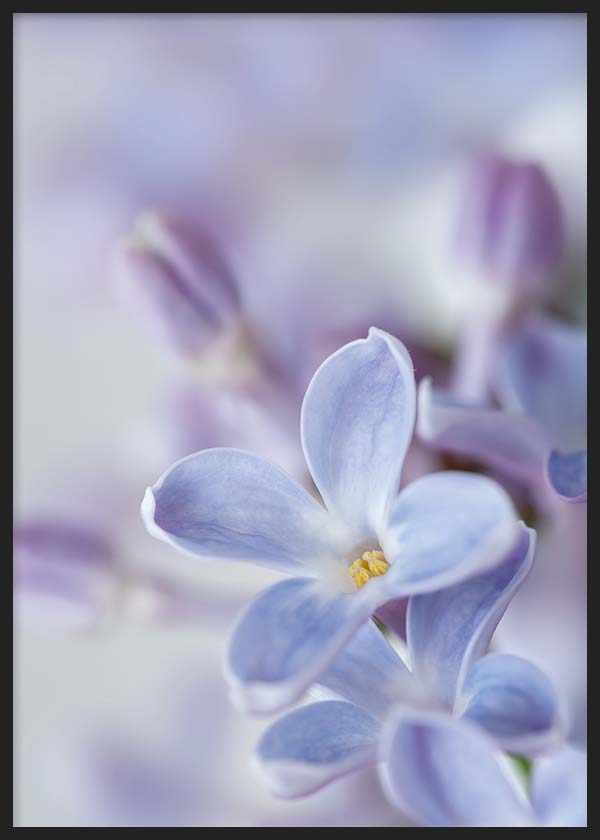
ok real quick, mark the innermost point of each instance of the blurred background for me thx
(308, 173)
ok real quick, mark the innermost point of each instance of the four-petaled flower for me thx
(448, 633)
(356, 424)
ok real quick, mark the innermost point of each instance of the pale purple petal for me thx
(196, 255)
(357, 421)
(233, 505)
(369, 673)
(514, 702)
(147, 286)
(511, 442)
(445, 772)
(449, 629)
(567, 474)
(559, 788)
(509, 222)
(64, 573)
(546, 622)
(177, 281)
(543, 372)
(286, 638)
(444, 528)
(314, 745)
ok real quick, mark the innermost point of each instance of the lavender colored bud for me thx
(509, 224)
(175, 278)
(64, 573)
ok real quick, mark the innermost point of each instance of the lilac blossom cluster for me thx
(404, 517)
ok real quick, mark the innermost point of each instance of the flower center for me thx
(371, 564)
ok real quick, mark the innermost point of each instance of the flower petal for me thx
(357, 421)
(444, 528)
(449, 629)
(543, 372)
(65, 572)
(445, 772)
(314, 745)
(286, 638)
(230, 504)
(547, 620)
(513, 443)
(559, 788)
(514, 702)
(369, 673)
(567, 475)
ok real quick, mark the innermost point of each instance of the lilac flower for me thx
(445, 772)
(356, 423)
(509, 227)
(539, 433)
(508, 242)
(510, 235)
(448, 633)
(176, 277)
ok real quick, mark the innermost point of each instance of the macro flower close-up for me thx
(364, 547)
(447, 631)
(300, 420)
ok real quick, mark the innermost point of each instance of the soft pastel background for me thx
(327, 152)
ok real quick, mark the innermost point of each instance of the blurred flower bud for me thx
(175, 278)
(64, 574)
(509, 225)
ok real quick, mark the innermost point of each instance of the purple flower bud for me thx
(509, 224)
(176, 279)
(64, 573)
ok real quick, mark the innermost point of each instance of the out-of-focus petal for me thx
(449, 629)
(559, 788)
(286, 638)
(177, 281)
(445, 772)
(567, 475)
(357, 421)
(542, 371)
(514, 702)
(443, 528)
(314, 745)
(230, 504)
(64, 572)
(509, 222)
(198, 258)
(369, 673)
(513, 443)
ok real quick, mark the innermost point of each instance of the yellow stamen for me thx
(371, 564)
(361, 576)
(378, 567)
